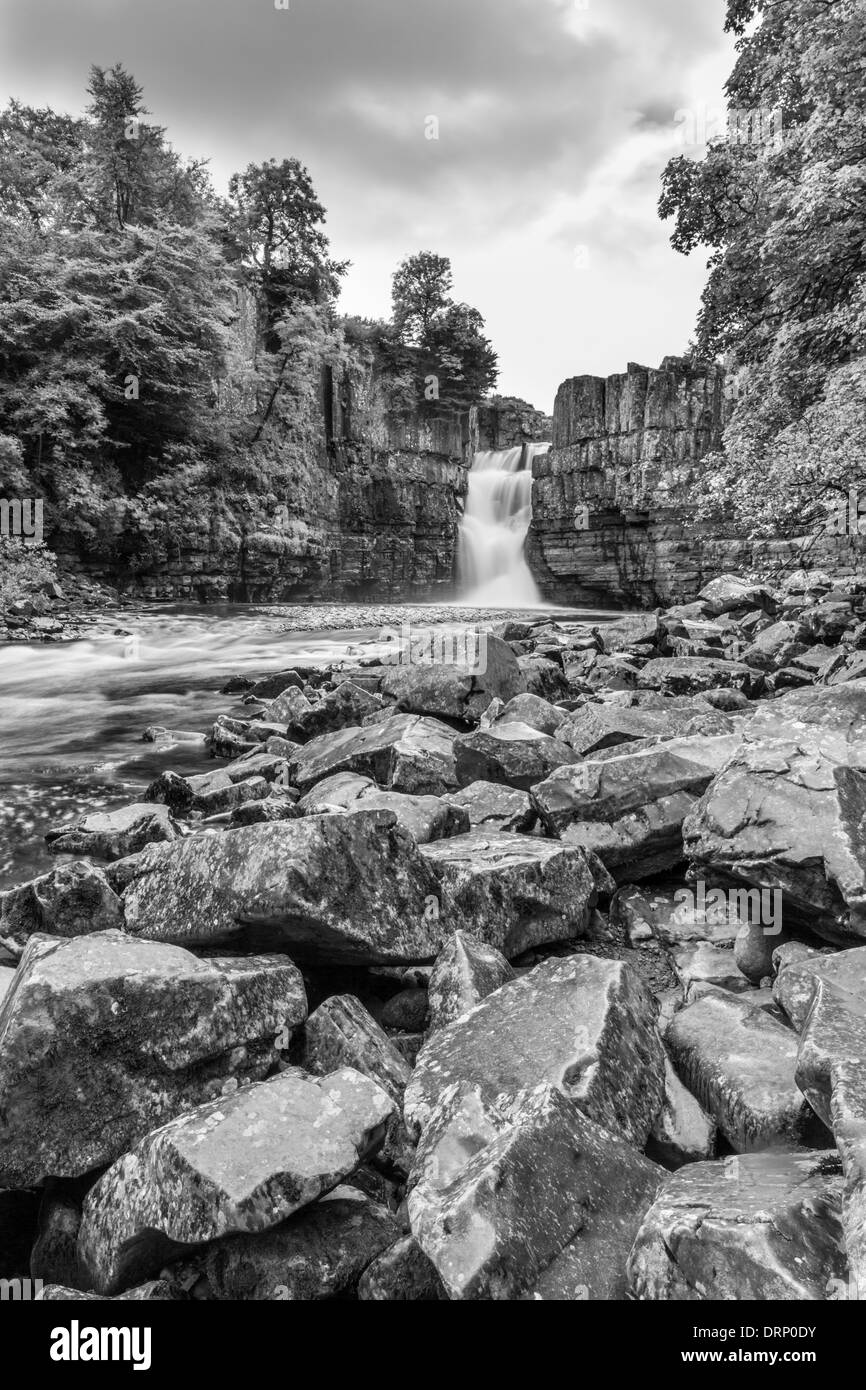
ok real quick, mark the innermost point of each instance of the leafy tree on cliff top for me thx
(276, 221)
(784, 215)
(447, 340)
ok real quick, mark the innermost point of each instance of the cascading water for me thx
(491, 565)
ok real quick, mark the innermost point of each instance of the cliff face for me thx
(504, 422)
(611, 516)
(354, 501)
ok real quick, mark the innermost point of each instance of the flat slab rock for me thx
(583, 1024)
(547, 1210)
(761, 1226)
(491, 806)
(630, 809)
(794, 986)
(113, 834)
(780, 817)
(349, 888)
(831, 720)
(740, 1064)
(241, 1164)
(454, 691)
(513, 753)
(406, 753)
(690, 675)
(597, 726)
(424, 817)
(515, 891)
(104, 1037)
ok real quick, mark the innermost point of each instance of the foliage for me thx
(784, 220)
(24, 568)
(455, 363)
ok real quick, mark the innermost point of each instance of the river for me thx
(72, 714)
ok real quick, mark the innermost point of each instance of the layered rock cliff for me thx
(356, 500)
(612, 517)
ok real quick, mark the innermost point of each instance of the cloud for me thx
(552, 123)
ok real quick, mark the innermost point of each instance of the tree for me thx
(458, 352)
(783, 218)
(421, 288)
(276, 220)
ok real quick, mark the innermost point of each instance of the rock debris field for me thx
(545, 980)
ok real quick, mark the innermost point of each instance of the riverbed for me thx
(72, 714)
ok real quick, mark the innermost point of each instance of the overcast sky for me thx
(555, 118)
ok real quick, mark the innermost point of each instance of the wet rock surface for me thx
(580, 935)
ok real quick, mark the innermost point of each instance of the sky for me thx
(554, 121)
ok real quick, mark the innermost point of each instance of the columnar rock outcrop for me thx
(612, 512)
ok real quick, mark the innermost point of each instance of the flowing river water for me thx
(72, 714)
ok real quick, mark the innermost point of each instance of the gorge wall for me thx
(612, 520)
(355, 501)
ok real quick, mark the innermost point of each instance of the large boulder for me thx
(405, 752)
(794, 986)
(492, 806)
(831, 720)
(515, 891)
(241, 1164)
(350, 888)
(347, 706)
(533, 710)
(548, 1208)
(583, 1024)
(454, 691)
(758, 1226)
(114, 834)
(776, 646)
(72, 900)
(424, 817)
(597, 726)
(728, 593)
(512, 753)
(781, 817)
(630, 809)
(103, 1037)
(689, 675)
(321, 1252)
(740, 1063)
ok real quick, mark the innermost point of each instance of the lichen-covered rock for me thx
(512, 753)
(426, 818)
(762, 1226)
(513, 891)
(583, 1024)
(351, 888)
(241, 1164)
(321, 1252)
(794, 986)
(113, 834)
(689, 675)
(781, 817)
(72, 900)
(103, 1037)
(491, 806)
(729, 592)
(630, 809)
(597, 726)
(347, 706)
(406, 753)
(834, 1033)
(740, 1063)
(466, 971)
(547, 1209)
(401, 1274)
(534, 711)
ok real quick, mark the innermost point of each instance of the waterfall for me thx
(491, 566)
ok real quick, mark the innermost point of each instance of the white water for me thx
(491, 564)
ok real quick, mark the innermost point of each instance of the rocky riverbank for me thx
(538, 980)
